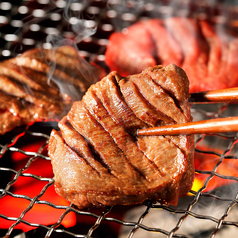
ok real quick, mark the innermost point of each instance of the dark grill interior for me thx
(26, 183)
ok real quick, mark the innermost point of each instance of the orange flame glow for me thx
(44, 214)
(206, 162)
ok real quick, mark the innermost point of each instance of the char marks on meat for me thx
(205, 52)
(42, 84)
(96, 156)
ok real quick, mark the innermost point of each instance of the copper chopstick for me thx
(215, 96)
(229, 124)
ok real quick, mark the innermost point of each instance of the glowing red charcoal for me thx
(206, 162)
(33, 193)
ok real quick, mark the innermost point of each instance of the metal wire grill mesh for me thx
(229, 200)
(210, 210)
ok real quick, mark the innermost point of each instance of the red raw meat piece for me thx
(216, 68)
(232, 63)
(128, 55)
(168, 49)
(207, 53)
(195, 49)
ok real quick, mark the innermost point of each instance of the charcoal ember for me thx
(96, 156)
(42, 85)
(102, 231)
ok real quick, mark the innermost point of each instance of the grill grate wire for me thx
(15, 40)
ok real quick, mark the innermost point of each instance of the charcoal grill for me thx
(209, 210)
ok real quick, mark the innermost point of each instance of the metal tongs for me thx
(218, 125)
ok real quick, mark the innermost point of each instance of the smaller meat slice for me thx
(8, 102)
(9, 69)
(5, 124)
(62, 69)
(142, 45)
(215, 43)
(11, 87)
(90, 72)
(17, 112)
(45, 82)
(174, 81)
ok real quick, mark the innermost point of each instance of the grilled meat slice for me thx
(146, 112)
(157, 97)
(62, 66)
(172, 80)
(17, 112)
(97, 159)
(112, 99)
(42, 84)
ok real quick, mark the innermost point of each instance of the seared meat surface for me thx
(206, 53)
(96, 156)
(42, 84)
